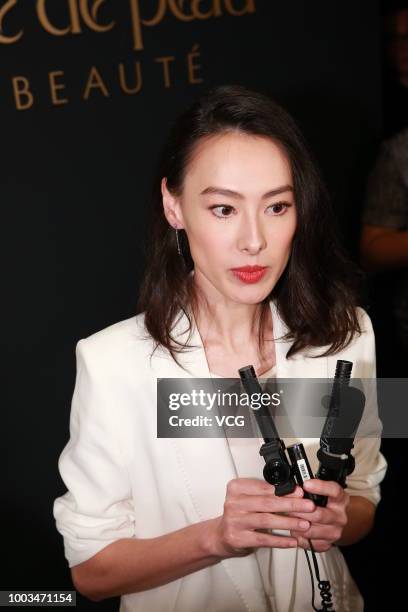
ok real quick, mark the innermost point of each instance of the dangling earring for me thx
(178, 242)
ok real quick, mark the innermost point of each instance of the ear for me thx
(171, 206)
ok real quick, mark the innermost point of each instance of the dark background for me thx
(75, 186)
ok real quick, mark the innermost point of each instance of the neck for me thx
(232, 325)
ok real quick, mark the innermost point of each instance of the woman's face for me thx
(237, 208)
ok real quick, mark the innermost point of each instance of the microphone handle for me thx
(326, 473)
(341, 379)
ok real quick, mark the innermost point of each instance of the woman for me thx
(244, 268)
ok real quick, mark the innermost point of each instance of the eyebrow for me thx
(235, 194)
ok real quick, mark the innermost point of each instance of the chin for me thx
(251, 295)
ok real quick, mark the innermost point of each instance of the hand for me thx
(327, 523)
(250, 508)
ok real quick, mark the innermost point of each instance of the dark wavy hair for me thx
(317, 293)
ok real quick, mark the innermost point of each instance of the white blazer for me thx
(122, 481)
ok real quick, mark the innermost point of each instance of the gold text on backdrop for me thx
(80, 13)
(82, 17)
(128, 80)
(3, 12)
(175, 6)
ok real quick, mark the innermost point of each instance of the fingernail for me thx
(304, 524)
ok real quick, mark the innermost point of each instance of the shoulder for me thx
(364, 321)
(116, 333)
(365, 339)
(113, 347)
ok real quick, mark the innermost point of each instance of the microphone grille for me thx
(343, 371)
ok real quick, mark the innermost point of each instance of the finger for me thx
(324, 487)
(266, 520)
(250, 486)
(320, 532)
(323, 516)
(256, 486)
(298, 492)
(268, 503)
(256, 539)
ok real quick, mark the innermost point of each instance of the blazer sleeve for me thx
(371, 465)
(97, 508)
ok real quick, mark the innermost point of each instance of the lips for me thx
(249, 269)
(249, 274)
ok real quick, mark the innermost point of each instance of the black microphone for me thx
(346, 409)
(277, 469)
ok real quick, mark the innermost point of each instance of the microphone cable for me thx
(324, 585)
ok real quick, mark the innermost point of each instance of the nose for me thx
(251, 237)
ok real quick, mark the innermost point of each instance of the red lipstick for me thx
(249, 274)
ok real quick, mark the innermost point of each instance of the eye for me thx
(222, 208)
(281, 206)
(224, 211)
